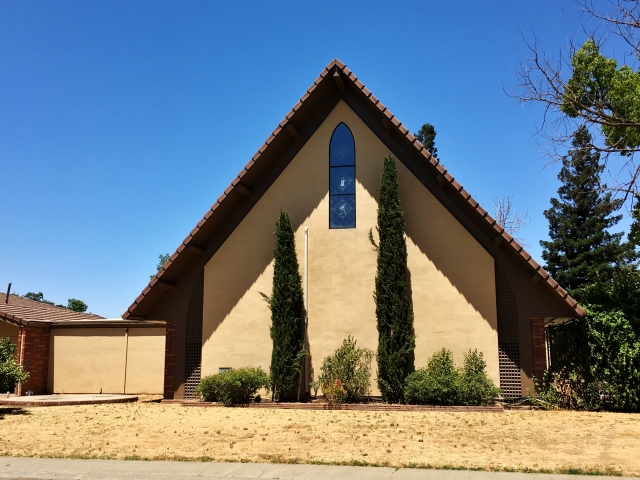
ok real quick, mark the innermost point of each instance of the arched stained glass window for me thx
(342, 179)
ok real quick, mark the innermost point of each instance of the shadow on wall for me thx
(244, 259)
(253, 240)
(444, 241)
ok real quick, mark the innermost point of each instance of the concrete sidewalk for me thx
(63, 469)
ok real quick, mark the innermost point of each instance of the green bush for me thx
(475, 388)
(235, 386)
(436, 384)
(441, 383)
(346, 375)
(10, 372)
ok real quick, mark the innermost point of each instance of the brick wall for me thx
(538, 347)
(33, 355)
(169, 359)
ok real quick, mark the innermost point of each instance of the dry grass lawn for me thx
(516, 440)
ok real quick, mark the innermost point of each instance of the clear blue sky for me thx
(121, 122)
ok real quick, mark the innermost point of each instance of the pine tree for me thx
(581, 248)
(427, 137)
(394, 312)
(287, 316)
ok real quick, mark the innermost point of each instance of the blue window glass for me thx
(342, 179)
(342, 150)
(343, 211)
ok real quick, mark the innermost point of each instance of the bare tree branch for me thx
(543, 80)
(511, 219)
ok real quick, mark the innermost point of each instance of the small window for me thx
(342, 179)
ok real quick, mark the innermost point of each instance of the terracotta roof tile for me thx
(23, 311)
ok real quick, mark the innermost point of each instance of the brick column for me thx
(538, 347)
(33, 355)
(169, 359)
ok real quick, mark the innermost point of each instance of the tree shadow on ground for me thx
(13, 411)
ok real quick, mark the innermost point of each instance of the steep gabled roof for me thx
(335, 78)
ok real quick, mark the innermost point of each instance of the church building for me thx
(472, 285)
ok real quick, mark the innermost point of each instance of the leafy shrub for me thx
(335, 392)
(558, 390)
(10, 372)
(441, 383)
(346, 375)
(475, 388)
(235, 386)
(436, 384)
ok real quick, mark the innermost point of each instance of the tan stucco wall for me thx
(145, 360)
(88, 360)
(9, 330)
(452, 276)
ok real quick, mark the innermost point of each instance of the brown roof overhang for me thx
(334, 80)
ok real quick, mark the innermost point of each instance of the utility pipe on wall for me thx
(126, 359)
(306, 275)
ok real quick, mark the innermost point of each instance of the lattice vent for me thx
(509, 358)
(193, 350)
(508, 338)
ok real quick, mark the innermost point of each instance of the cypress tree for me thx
(287, 320)
(394, 312)
(581, 249)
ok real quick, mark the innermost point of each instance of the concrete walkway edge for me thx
(68, 469)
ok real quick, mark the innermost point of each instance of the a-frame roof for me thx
(336, 80)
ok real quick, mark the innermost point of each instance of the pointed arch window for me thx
(342, 179)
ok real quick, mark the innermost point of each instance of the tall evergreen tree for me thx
(394, 312)
(427, 137)
(287, 316)
(581, 248)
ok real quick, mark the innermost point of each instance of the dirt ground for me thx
(513, 440)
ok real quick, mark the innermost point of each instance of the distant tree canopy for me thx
(427, 137)
(73, 304)
(162, 259)
(37, 297)
(77, 305)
